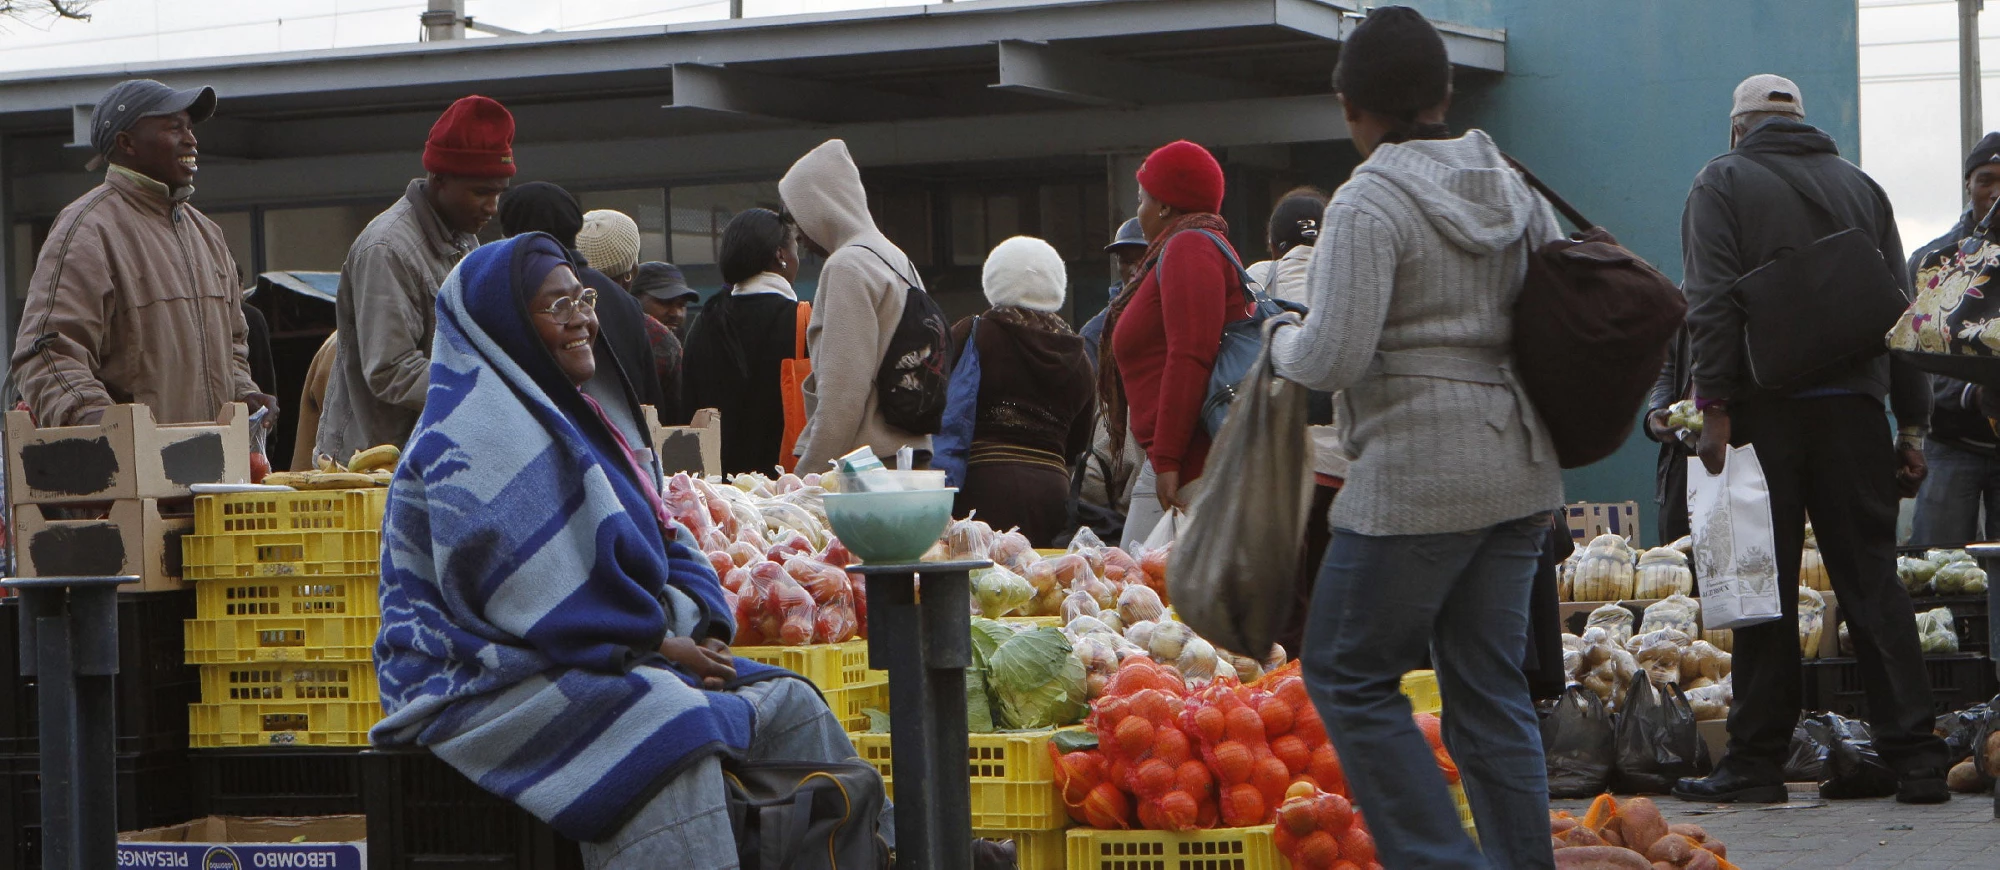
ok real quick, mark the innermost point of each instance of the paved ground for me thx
(1809, 833)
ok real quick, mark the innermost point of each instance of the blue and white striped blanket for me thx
(523, 578)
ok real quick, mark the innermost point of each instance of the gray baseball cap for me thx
(662, 282)
(128, 101)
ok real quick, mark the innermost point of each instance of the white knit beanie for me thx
(609, 241)
(1026, 272)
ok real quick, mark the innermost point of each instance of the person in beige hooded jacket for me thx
(855, 310)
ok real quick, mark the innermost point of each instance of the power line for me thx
(336, 14)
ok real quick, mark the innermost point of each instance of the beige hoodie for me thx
(855, 311)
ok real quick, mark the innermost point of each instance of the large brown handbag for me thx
(1591, 331)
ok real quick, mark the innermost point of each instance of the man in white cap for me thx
(1824, 444)
(135, 297)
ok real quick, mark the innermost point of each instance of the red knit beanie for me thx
(475, 137)
(1183, 175)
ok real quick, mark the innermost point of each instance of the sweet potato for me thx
(1614, 832)
(1702, 860)
(1964, 778)
(1561, 825)
(1601, 811)
(1643, 826)
(1672, 849)
(1600, 858)
(1581, 836)
(1662, 865)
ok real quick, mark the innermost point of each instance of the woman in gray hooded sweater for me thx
(1440, 525)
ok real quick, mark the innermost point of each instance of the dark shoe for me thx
(1923, 786)
(1728, 787)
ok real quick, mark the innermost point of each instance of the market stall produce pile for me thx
(1615, 836)
(1668, 647)
(782, 569)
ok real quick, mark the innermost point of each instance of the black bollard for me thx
(69, 643)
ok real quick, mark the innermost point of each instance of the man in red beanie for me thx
(390, 281)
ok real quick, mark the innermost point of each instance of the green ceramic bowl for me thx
(890, 527)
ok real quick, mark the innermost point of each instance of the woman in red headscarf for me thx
(1165, 328)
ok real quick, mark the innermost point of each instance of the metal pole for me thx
(1970, 125)
(69, 643)
(736, 8)
(444, 19)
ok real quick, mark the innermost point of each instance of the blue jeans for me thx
(1380, 602)
(1959, 484)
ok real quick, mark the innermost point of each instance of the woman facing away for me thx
(547, 628)
(1033, 415)
(1439, 527)
(744, 335)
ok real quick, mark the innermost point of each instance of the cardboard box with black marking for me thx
(1588, 520)
(695, 448)
(124, 455)
(238, 843)
(133, 536)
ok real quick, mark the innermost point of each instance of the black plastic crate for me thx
(276, 781)
(425, 815)
(154, 685)
(1956, 681)
(152, 791)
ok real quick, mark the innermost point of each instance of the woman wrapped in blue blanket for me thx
(547, 628)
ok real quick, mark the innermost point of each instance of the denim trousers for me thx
(1380, 603)
(686, 824)
(1959, 484)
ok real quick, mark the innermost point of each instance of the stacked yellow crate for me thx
(841, 672)
(286, 614)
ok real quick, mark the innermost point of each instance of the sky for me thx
(1908, 54)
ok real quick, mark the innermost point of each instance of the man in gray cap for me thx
(1824, 445)
(664, 294)
(134, 297)
(1127, 248)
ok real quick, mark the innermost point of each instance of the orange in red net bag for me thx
(1229, 721)
(1316, 830)
(1148, 752)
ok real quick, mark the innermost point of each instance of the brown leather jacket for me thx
(134, 300)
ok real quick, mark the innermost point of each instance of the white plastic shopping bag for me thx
(1735, 554)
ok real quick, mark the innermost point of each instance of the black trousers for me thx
(1834, 458)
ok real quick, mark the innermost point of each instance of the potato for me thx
(1644, 825)
(1600, 858)
(1671, 849)
(1992, 753)
(1964, 778)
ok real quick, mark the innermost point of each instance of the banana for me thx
(383, 476)
(337, 480)
(375, 458)
(327, 463)
(286, 478)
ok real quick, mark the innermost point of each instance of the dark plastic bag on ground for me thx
(1580, 745)
(1962, 730)
(1851, 768)
(1658, 742)
(1806, 759)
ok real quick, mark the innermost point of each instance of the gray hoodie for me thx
(1412, 289)
(854, 313)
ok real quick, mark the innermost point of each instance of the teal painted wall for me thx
(1618, 104)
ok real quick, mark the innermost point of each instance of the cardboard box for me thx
(695, 448)
(125, 455)
(1587, 520)
(238, 843)
(133, 538)
(1715, 734)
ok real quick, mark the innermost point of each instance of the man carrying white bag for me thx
(1735, 556)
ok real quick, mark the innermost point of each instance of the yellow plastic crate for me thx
(1422, 689)
(1464, 811)
(212, 726)
(849, 704)
(1013, 778)
(234, 513)
(1034, 621)
(324, 595)
(1217, 849)
(1033, 850)
(281, 554)
(281, 639)
(829, 666)
(316, 681)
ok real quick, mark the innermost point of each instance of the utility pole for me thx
(1970, 125)
(444, 19)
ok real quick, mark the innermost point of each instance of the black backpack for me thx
(915, 374)
(802, 815)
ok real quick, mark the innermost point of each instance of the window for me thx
(981, 220)
(646, 206)
(313, 239)
(699, 213)
(236, 231)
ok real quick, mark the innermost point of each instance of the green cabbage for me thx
(1034, 680)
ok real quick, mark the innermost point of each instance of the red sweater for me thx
(1164, 360)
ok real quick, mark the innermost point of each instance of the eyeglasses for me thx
(565, 309)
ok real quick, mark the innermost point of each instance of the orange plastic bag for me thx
(792, 375)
